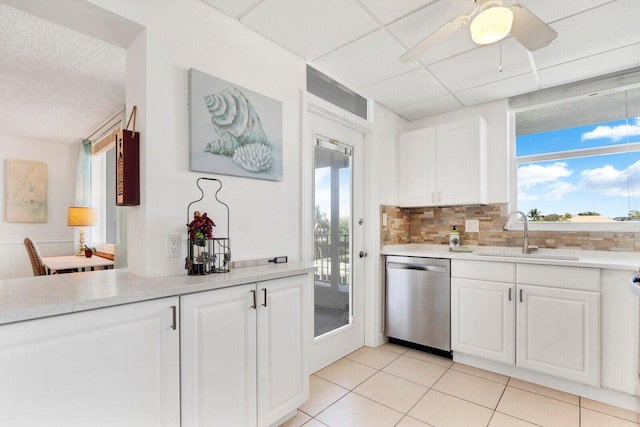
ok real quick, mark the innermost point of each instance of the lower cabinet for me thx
(116, 366)
(551, 330)
(483, 318)
(558, 332)
(244, 353)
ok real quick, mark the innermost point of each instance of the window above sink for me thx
(577, 157)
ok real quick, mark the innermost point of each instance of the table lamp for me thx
(81, 216)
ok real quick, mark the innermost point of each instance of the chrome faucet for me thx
(525, 244)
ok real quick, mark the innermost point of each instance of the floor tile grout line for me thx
(546, 395)
(518, 418)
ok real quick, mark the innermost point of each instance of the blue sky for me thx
(607, 184)
(323, 191)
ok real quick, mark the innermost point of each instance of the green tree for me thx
(552, 217)
(634, 215)
(588, 213)
(534, 215)
(322, 224)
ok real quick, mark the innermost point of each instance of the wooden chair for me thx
(36, 260)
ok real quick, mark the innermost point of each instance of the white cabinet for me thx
(443, 165)
(482, 309)
(482, 317)
(116, 366)
(558, 332)
(547, 320)
(244, 353)
(218, 334)
(417, 168)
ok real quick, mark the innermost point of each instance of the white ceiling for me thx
(358, 42)
(58, 84)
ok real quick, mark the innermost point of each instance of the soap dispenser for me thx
(454, 238)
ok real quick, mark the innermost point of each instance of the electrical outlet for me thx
(173, 246)
(472, 226)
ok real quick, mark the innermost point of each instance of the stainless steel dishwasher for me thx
(418, 302)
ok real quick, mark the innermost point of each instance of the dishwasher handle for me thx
(400, 266)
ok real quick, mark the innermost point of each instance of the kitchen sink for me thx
(530, 256)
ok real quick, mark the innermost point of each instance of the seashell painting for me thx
(234, 131)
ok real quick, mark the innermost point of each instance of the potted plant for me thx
(200, 232)
(201, 228)
(88, 252)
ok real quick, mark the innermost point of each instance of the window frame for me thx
(563, 226)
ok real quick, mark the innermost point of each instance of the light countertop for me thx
(595, 259)
(42, 296)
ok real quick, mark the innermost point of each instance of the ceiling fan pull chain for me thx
(500, 65)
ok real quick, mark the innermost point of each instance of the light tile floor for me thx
(395, 386)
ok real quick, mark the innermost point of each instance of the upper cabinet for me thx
(443, 165)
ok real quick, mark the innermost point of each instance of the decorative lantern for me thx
(206, 254)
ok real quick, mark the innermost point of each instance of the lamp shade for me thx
(81, 216)
(491, 25)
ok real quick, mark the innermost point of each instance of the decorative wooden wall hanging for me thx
(128, 164)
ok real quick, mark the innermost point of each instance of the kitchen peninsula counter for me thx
(43, 296)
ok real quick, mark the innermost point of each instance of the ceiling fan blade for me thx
(530, 30)
(438, 35)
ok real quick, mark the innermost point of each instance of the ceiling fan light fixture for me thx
(491, 25)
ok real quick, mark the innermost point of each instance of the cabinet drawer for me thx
(484, 270)
(558, 276)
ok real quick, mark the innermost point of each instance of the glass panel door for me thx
(332, 236)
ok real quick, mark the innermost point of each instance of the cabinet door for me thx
(558, 332)
(416, 168)
(283, 340)
(218, 333)
(115, 366)
(461, 162)
(482, 319)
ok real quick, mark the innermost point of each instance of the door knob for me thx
(362, 254)
(360, 221)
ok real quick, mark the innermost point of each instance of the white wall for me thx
(53, 237)
(496, 115)
(381, 189)
(265, 215)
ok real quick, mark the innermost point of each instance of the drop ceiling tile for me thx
(552, 10)
(388, 11)
(310, 28)
(405, 89)
(592, 66)
(592, 32)
(429, 108)
(230, 7)
(501, 89)
(366, 61)
(418, 25)
(456, 74)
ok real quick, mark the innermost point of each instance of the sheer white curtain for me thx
(83, 187)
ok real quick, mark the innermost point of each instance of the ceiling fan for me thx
(490, 22)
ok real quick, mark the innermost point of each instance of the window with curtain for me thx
(104, 193)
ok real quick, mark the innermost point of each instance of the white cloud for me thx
(527, 196)
(557, 190)
(614, 133)
(535, 174)
(545, 182)
(611, 181)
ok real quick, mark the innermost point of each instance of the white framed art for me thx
(233, 130)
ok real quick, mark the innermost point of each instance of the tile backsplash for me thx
(432, 225)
